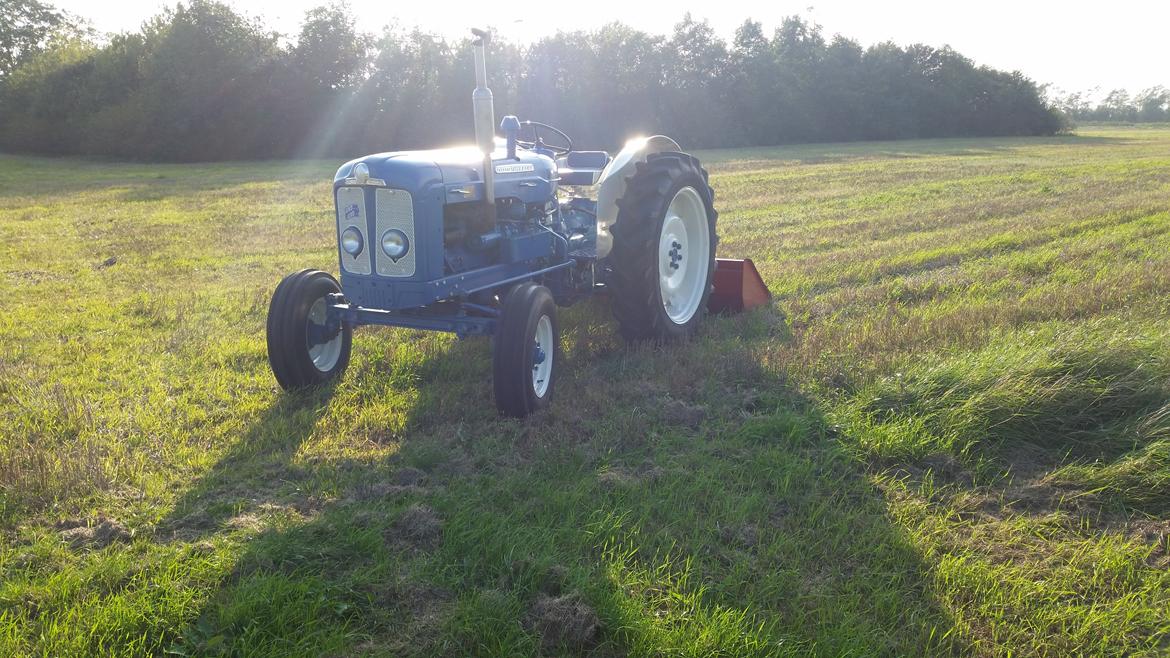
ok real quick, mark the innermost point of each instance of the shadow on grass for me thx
(713, 514)
(254, 472)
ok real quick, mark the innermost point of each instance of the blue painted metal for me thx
(526, 246)
(454, 277)
(577, 177)
(490, 311)
(462, 325)
(510, 126)
(386, 293)
(525, 277)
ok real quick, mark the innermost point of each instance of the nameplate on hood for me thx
(514, 168)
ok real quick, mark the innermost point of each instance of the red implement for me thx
(738, 287)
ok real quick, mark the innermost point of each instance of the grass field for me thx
(949, 435)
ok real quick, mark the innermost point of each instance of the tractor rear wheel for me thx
(663, 252)
(525, 351)
(302, 349)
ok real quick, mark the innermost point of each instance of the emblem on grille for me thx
(352, 211)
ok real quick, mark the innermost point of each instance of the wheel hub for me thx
(542, 355)
(322, 341)
(680, 279)
(675, 254)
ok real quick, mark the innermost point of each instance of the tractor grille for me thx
(351, 211)
(393, 209)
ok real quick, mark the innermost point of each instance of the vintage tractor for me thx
(488, 240)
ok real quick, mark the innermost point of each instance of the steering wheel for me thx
(536, 141)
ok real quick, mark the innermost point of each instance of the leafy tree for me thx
(26, 28)
(1150, 105)
(1153, 104)
(694, 68)
(752, 86)
(330, 51)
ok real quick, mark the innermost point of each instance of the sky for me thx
(1121, 44)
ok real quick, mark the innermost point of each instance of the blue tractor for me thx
(488, 240)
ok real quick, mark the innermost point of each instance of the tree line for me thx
(202, 82)
(1148, 106)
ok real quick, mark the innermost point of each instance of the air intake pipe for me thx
(485, 124)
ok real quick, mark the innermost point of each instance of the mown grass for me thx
(950, 433)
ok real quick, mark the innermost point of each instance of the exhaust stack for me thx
(485, 122)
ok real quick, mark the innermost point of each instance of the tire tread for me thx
(634, 292)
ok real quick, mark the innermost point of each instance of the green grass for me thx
(950, 434)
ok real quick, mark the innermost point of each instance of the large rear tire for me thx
(663, 253)
(301, 351)
(526, 351)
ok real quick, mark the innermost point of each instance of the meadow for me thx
(948, 435)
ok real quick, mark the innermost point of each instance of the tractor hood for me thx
(458, 169)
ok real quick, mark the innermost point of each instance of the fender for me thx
(613, 182)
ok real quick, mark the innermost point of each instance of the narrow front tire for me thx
(525, 351)
(304, 348)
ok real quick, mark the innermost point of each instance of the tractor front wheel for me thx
(525, 351)
(304, 348)
(663, 249)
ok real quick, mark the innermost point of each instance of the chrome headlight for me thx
(395, 244)
(361, 171)
(351, 241)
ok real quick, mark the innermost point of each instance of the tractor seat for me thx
(582, 167)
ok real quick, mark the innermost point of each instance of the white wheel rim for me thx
(542, 372)
(324, 355)
(684, 255)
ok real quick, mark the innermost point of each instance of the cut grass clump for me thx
(1085, 391)
(1140, 479)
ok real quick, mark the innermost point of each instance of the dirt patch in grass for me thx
(250, 522)
(384, 490)
(741, 536)
(617, 477)
(1025, 460)
(1040, 498)
(564, 622)
(409, 476)
(946, 467)
(942, 467)
(677, 412)
(31, 277)
(424, 602)
(419, 527)
(1156, 534)
(93, 534)
(420, 611)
